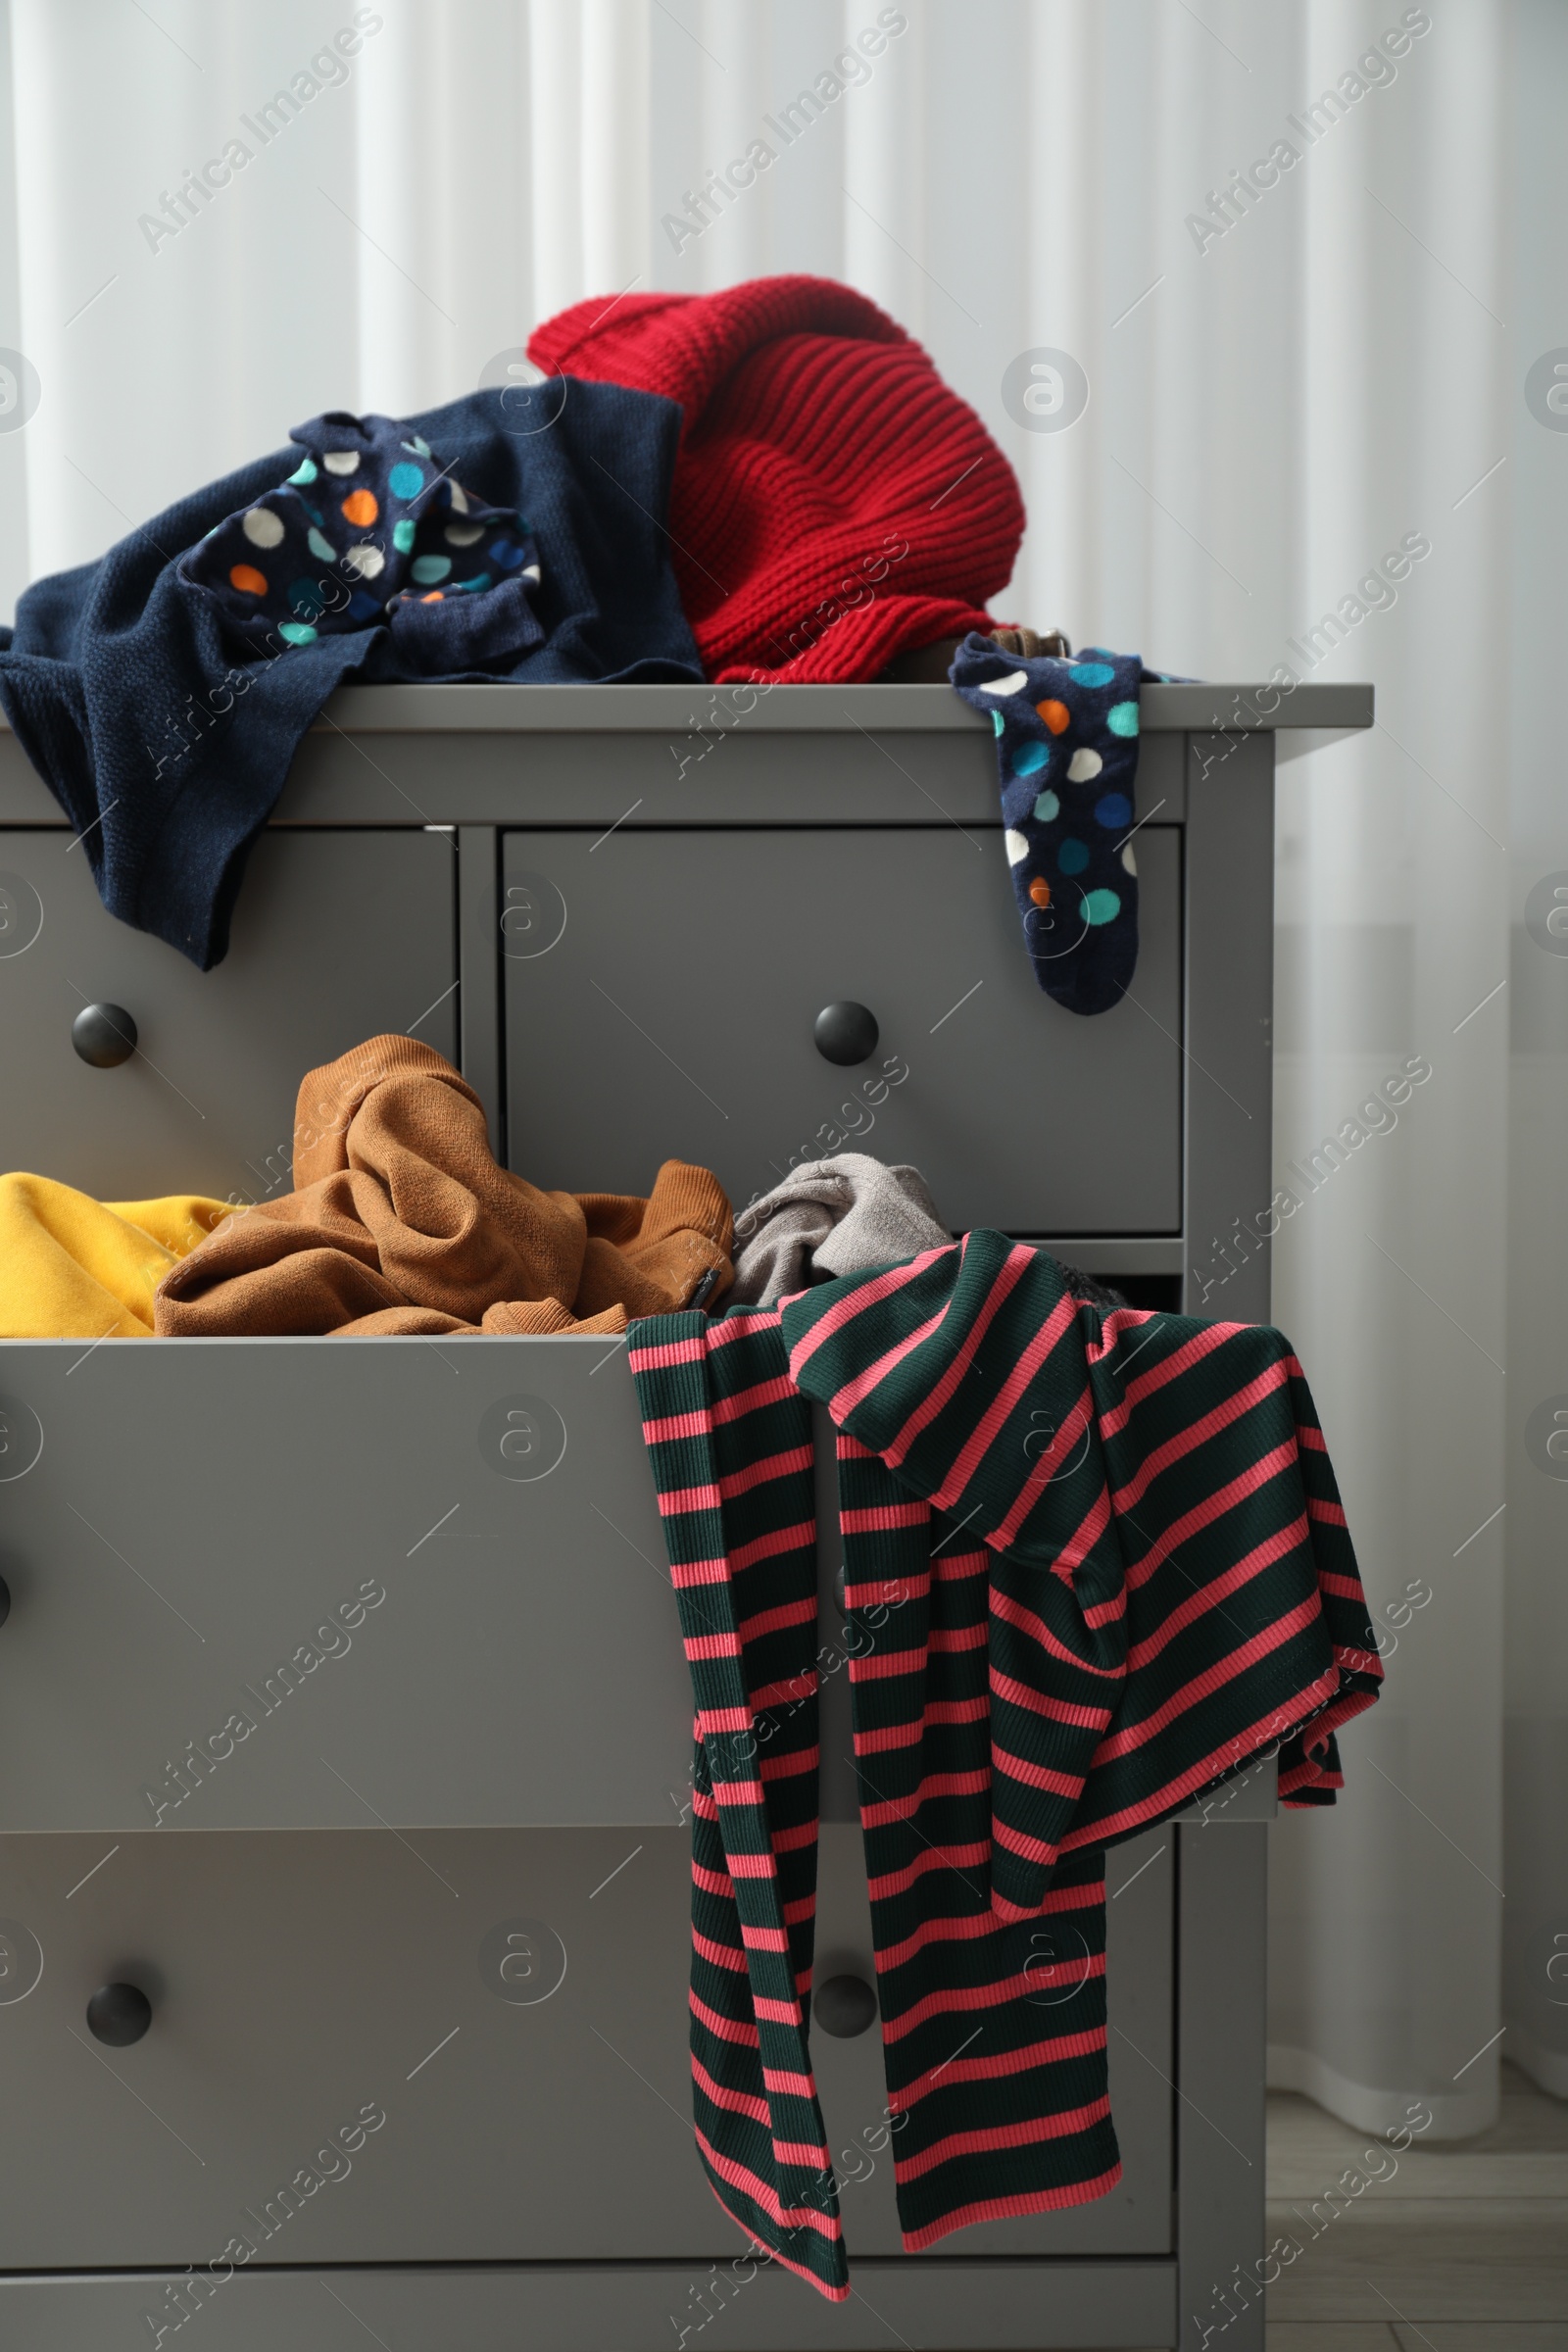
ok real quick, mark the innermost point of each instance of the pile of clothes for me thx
(771, 483)
(401, 1222)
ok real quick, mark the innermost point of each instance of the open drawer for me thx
(313, 1584)
(310, 1584)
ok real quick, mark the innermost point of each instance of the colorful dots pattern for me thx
(1074, 873)
(452, 576)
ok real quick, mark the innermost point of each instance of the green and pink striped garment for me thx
(1094, 1563)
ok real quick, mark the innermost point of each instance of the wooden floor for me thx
(1465, 2249)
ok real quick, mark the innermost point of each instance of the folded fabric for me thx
(834, 502)
(832, 1216)
(401, 1221)
(1067, 751)
(163, 717)
(76, 1268)
(1093, 1565)
(848, 1215)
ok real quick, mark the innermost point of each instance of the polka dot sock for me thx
(369, 530)
(1067, 753)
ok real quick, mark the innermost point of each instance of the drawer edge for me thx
(580, 2307)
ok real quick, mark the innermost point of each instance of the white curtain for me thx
(1291, 380)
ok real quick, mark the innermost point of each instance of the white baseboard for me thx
(1546, 2068)
(1455, 2115)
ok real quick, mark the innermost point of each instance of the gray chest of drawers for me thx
(360, 1743)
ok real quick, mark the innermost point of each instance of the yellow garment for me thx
(75, 1268)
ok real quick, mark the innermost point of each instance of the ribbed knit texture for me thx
(834, 502)
(1094, 1563)
(730, 1438)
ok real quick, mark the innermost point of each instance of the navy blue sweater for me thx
(161, 692)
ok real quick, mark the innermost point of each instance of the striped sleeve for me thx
(993, 2017)
(1243, 1596)
(730, 1440)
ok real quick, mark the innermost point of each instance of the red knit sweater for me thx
(834, 503)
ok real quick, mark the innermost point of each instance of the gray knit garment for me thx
(831, 1217)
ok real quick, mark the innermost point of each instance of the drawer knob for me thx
(844, 2006)
(104, 1035)
(119, 2015)
(846, 1033)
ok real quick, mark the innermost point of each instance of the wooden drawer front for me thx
(336, 938)
(514, 2003)
(661, 990)
(192, 1531)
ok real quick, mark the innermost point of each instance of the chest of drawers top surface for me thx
(818, 754)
